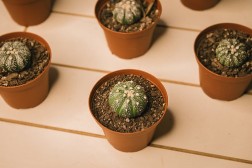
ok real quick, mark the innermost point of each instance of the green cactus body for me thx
(14, 56)
(128, 99)
(128, 12)
(231, 53)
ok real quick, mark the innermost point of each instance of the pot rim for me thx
(37, 38)
(100, 4)
(214, 27)
(144, 74)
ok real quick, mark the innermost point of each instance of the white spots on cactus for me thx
(130, 101)
(128, 11)
(14, 56)
(231, 53)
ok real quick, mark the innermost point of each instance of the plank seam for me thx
(103, 137)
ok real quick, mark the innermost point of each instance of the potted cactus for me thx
(128, 25)
(128, 105)
(224, 55)
(28, 12)
(24, 66)
(200, 4)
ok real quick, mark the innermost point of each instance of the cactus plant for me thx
(128, 99)
(231, 53)
(128, 12)
(14, 56)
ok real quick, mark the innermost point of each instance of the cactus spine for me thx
(128, 99)
(128, 12)
(231, 53)
(14, 56)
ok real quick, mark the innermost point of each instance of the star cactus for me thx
(231, 53)
(14, 56)
(128, 99)
(128, 12)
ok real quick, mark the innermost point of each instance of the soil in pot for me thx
(207, 55)
(39, 60)
(106, 17)
(106, 116)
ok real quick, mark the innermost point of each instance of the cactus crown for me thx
(128, 99)
(128, 12)
(231, 53)
(14, 56)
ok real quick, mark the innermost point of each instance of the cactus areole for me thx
(231, 53)
(128, 99)
(128, 12)
(14, 56)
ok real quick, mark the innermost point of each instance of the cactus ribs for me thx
(208, 57)
(39, 60)
(110, 119)
(128, 15)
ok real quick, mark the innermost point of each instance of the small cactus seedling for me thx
(128, 12)
(231, 53)
(14, 56)
(128, 99)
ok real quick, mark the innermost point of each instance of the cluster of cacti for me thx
(128, 99)
(231, 53)
(128, 11)
(14, 56)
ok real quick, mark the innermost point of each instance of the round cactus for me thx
(128, 99)
(231, 53)
(14, 56)
(128, 12)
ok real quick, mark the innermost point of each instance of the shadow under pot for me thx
(28, 12)
(199, 4)
(224, 56)
(128, 105)
(128, 31)
(24, 69)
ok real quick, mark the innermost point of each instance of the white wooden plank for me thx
(199, 122)
(80, 42)
(23, 147)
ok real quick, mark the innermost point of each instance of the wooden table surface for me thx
(60, 132)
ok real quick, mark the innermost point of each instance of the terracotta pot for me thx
(217, 86)
(28, 12)
(199, 4)
(127, 45)
(129, 142)
(33, 92)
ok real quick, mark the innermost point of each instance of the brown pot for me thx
(33, 92)
(129, 142)
(199, 4)
(217, 86)
(28, 12)
(127, 45)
